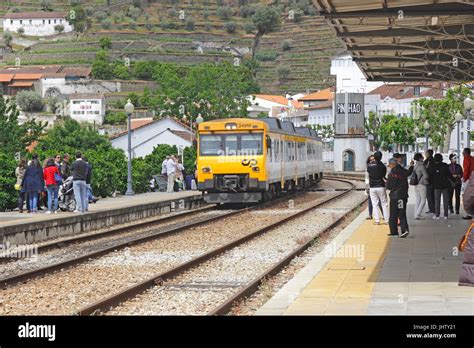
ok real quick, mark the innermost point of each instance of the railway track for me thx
(160, 279)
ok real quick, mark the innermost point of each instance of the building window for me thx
(31, 22)
(54, 21)
(11, 21)
(93, 101)
(60, 21)
(21, 21)
(49, 21)
(44, 21)
(417, 90)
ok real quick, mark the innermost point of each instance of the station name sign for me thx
(352, 108)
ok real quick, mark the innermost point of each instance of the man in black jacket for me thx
(397, 183)
(430, 192)
(377, 171)
(79, 177)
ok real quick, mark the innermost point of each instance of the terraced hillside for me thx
(187, 32)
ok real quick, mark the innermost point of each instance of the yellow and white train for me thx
(249, 160)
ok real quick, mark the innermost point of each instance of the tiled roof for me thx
(6, 77)
(185, 135)
(323, 105)
(140, 122)
(144, 124)
(324, 94)
(33, 69)
(34, 15)
(279, 99)
(407, 91)
(76, 71)
(27, 76)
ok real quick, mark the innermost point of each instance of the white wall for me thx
(267, 104)
(87, 110)
(36, 27)
(144, 139)
(349, 77)
(321, 116)
(360, 148)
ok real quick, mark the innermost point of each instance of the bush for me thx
(121, 72)
(247, 11)
(106, 24)
(8, 194)
(105, 42)
(205, 14)
(29, 101)
(59, 28)
(20, 31)
(286, 45)
(230, 27)
(297, 16)
(189, 24)
(115, 117)
(224, 12)
(283, 72)
(141, 174)
(89, 10)
(266, 56)
(16, 9)
(100, 15)
(148, 26)
(208, 27)
(249, 28)
(132, 25)
(172, 12)
(133, 12)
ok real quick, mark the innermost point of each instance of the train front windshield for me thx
(231, 144)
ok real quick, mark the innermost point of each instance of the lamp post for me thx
(417, 131)
(129, 110)
(427, 129)
(392, 135)
(469, 106)
(458, 118)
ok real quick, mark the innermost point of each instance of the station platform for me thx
(363, 271)
(17, 228)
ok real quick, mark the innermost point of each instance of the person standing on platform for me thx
(430, 195)
(33, 183)
(164, 169)
(440, 179)
(370, 160)
(171, 173)
(420, 181)
(65, 167)
(468, 168)
(397, 184)
(79, 176)
(378, 194)
(20, 173)
(456, 172)
(50, 172)
(57, 162)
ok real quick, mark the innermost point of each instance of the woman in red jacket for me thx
(50, 171)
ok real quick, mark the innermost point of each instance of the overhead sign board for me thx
(350, 114)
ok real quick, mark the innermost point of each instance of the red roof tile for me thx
(34, 15)
(324, 94)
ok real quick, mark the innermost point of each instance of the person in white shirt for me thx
(163, 166)
(171, 166)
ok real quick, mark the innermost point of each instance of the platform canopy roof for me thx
(406, 40)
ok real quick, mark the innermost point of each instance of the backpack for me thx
(414, 179)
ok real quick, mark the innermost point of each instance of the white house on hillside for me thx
(146, 136)
(36, 23)
(87, 107)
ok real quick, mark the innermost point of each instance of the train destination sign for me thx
(352, 108)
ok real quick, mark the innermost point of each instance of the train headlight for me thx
(256, 169)
(230, 126)
(206, 169)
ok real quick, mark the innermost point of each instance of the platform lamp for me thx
(129, 107)
(458, 118)
(427, 129)
(469, 107)
(417, 132)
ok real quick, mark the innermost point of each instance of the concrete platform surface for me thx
(104, 204)
(366, 272)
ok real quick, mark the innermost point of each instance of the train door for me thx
(348, 161)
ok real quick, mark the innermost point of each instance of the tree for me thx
(230, 27)
(78, 18)
(14, 138)
(8, 38)
(283, 72)
(105, 42)
(224, 13)
(286, 45)
(101, 68)
(29, 101)
(20, 31)
(59, 28)
(266, 19)
(440, 114)
(121, 72)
